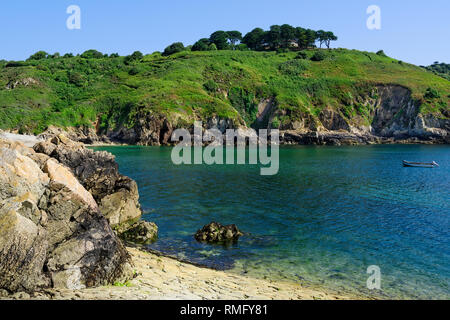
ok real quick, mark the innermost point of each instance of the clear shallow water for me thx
(329, 214)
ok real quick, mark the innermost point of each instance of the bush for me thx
(431, 94)
(14, 64)
(173, 48)
(381, 53)
(135, 56)
(293, 67)
(133, 71)
(242, 47)
(76, 79)
(38, 55)
(275, 123)
(301, 55)
(318, 56)
(92, 54)
(201, 45)
(211, 86)
(212, 47)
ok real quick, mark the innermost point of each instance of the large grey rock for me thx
(116, 195)
(51, 230)
(23, 249)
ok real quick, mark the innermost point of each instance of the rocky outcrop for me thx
(83, 134)
(117, 196)
(52, 233)
(141, 232)
(388, 115)
(217, 233)
(149, 130)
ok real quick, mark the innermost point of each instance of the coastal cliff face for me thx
(52, 233)
(388, 114)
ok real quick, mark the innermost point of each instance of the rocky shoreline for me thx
(64, 211)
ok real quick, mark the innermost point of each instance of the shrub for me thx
(133, 71)
(38, 55)
(242, 47)
(275, 123)
(381, 53)
(212, 47)
(14, 64)
(301, 55)
(293, 67)
(92, 54)
(211, 86)
(135, 56)
(173, 48)
(76, 79)
(318, 56)
(431, 93)
(201, 45)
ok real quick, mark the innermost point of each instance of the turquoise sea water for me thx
(329, 214)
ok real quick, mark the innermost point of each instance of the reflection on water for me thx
(329, 214)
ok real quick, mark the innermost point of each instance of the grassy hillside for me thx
(76, 91)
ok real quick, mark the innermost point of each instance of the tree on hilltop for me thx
(234, 37)
(220, 39)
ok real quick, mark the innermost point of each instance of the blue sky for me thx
(413, 31)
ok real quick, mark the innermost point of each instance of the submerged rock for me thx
(216, 233)
(51, 230)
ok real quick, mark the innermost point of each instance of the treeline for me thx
(285, 37)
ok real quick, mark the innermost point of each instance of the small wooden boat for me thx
(420, 164)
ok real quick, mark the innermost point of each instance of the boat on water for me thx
(420, 164)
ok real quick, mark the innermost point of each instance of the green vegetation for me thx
(174, 48)
(285, 37)
(441, 69)
(123, 284)
(110, 91)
